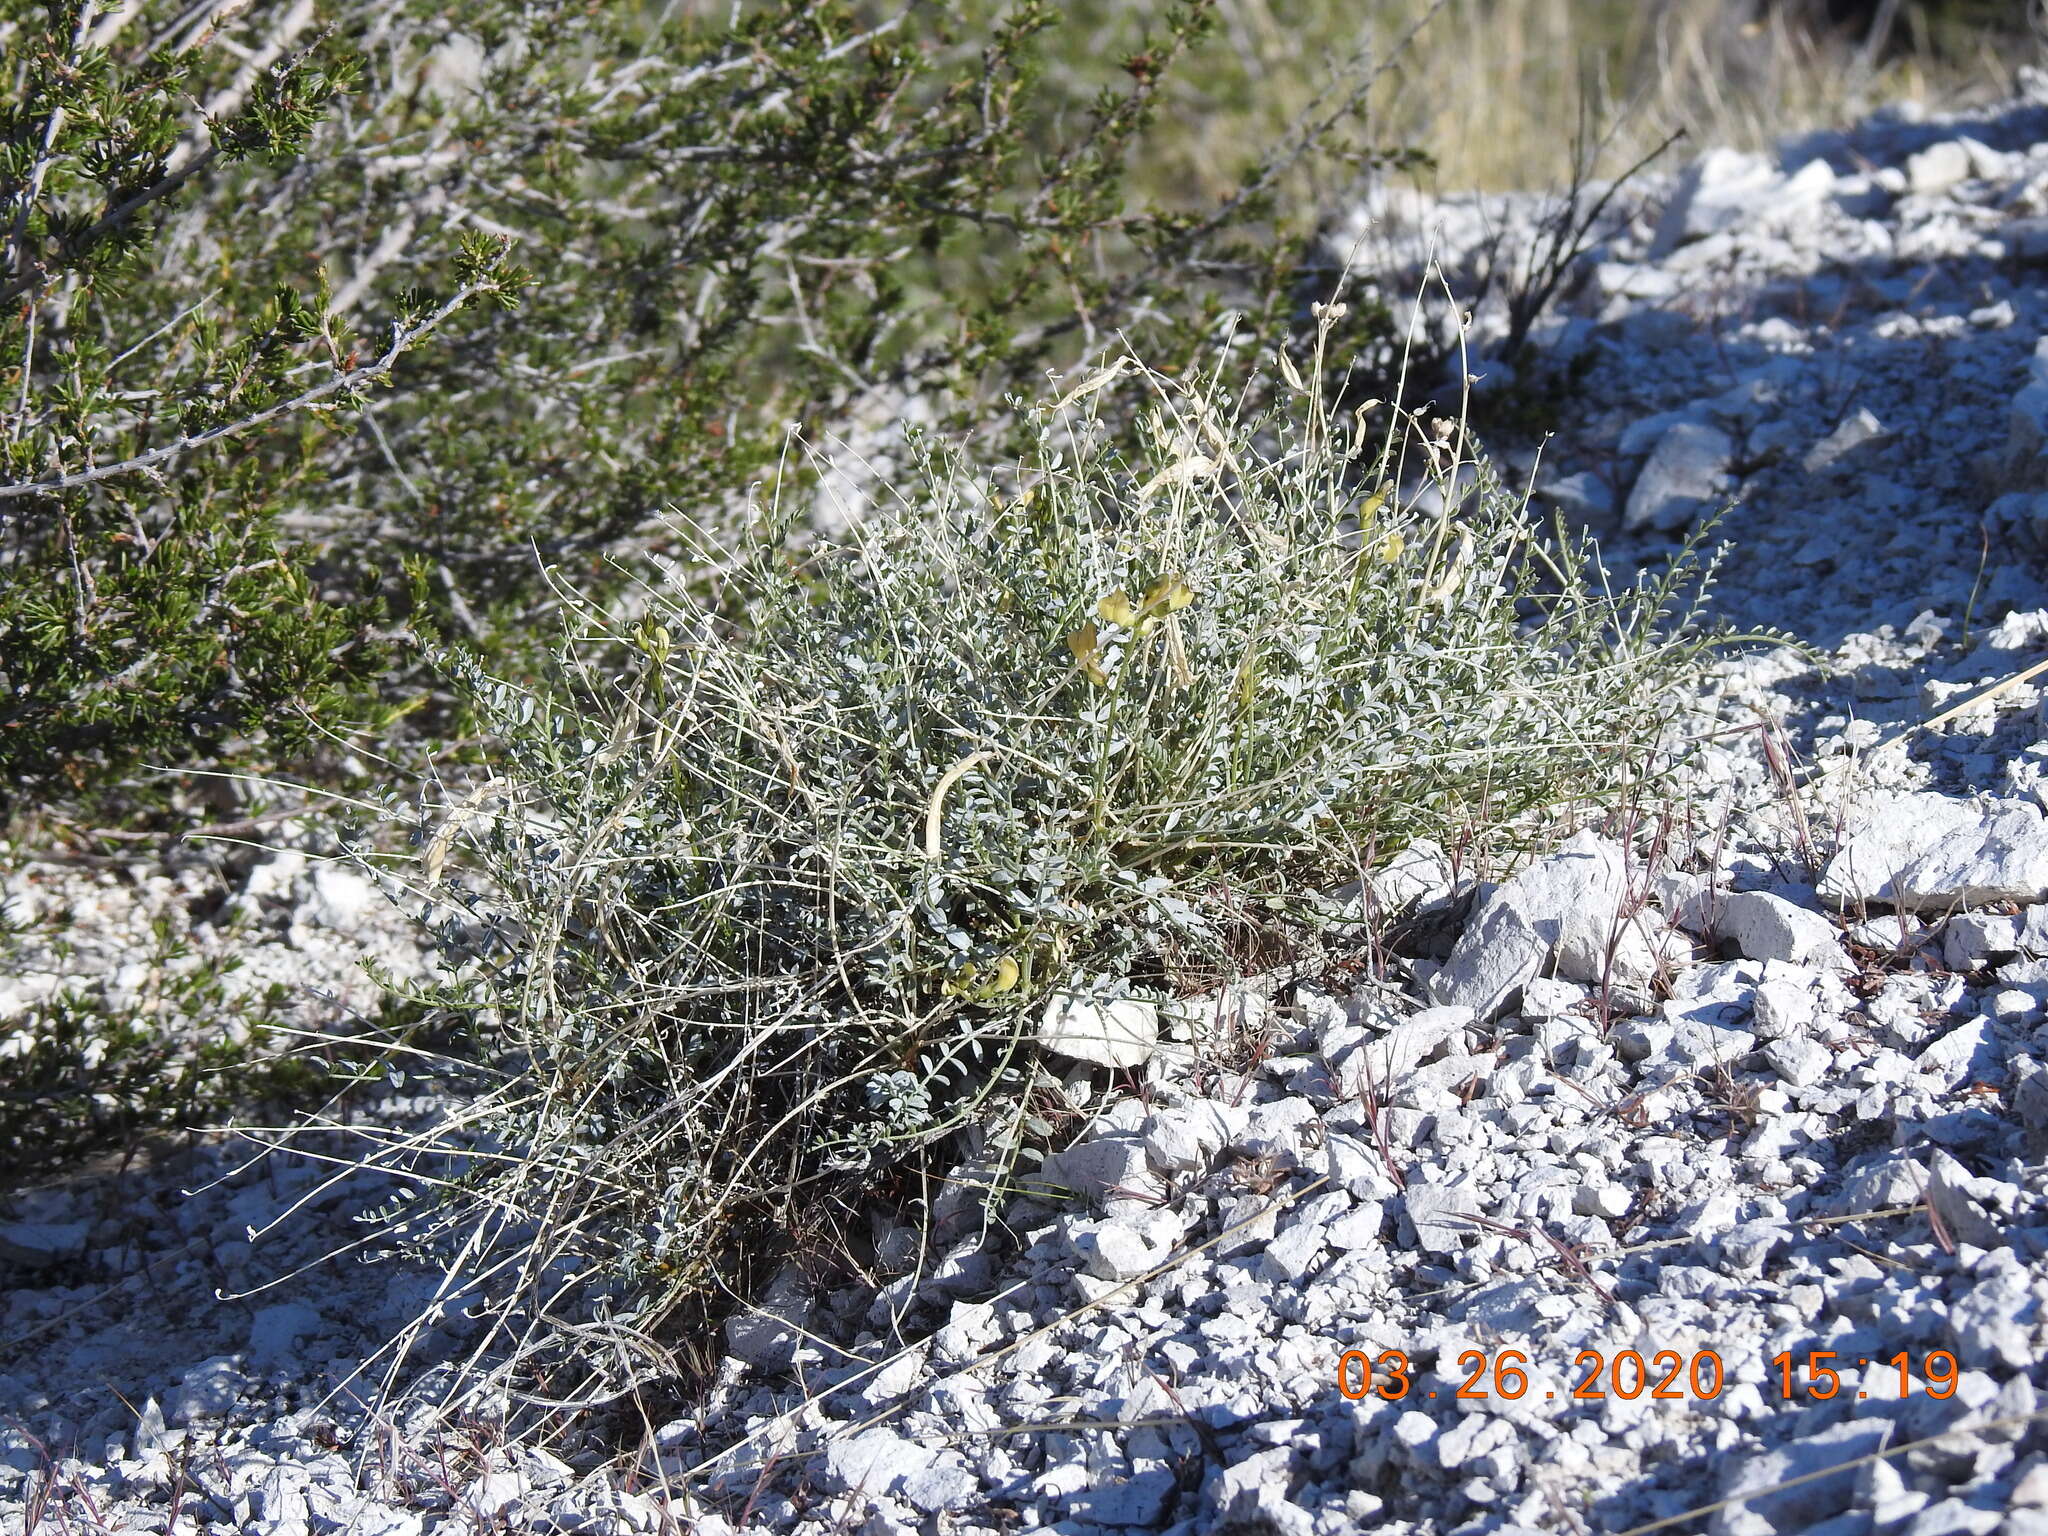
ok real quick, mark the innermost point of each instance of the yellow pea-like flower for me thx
(1086, 644)
(967, 982)
(1117, 609)
(653, 639)
(1369, 510)
(1169, 594)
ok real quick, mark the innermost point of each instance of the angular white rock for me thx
(1110, 1251)
(1189, 1136)
(1419, 876)
(1798, 1059)
(1139, 1501)
(768, 1337)
(1938, 167)
(1927, 852)
(1610, 1202)
(1857, 428)
(209, 1390)
(339, 899)
(1987, 1321)
(875, 1461)
(1722, 189)
(1360, 1229)
(39, 1244)
(275, 1331)
(1584, 499)
(499, 1498)
(1967, 1054)
(1565, 906)
(1684, 479)
(1290, 1256)
(1120, 1032)
(1172, 1145)
(1881, 1181)
(947, 1483)
(1688, 900)
(1436, 1212)
(1548, 998)
(1959, 1198)
(1388, 1059)
(1972, 940)
(1792, 1488)
(1764, 926)
(1102, 1168)
(1783, 1006)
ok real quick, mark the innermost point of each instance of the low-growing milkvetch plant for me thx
(770, 887)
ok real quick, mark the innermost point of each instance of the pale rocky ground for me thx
(1764, 1076)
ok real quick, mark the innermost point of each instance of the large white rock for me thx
(1799, 1059)
(339, 900)
(1783, 1005)
(1436, 1211)
(1584, 499)
(211, 1389)
(1877, 1182)
(1929, 853)
(276, 1331)
(1795, 1487)
(2027, 417)
(1120, 1032)
(1965, 1204)
(1420, 875)
(1722, 189)
(1855, 430)
(2026, 424)
(1565, 907)
(1938, 167)
(769, 1335)
(1386, 1060)
(1968, 1053)
(1970, 941)
(1764, 926)
(1685, 478)
(40, 1244)
(1110, 1250)
(1102, 1168)
(1180, 1140)
(874, 1462)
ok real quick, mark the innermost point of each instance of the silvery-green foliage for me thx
(785, 865)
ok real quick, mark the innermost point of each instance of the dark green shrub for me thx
(451, 288)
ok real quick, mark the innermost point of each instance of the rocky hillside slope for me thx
(1692, 1179)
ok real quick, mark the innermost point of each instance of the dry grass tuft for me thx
(1494, 89)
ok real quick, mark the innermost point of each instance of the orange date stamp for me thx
(1665, 1374)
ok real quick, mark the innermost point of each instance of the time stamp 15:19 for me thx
(1666, 1373)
